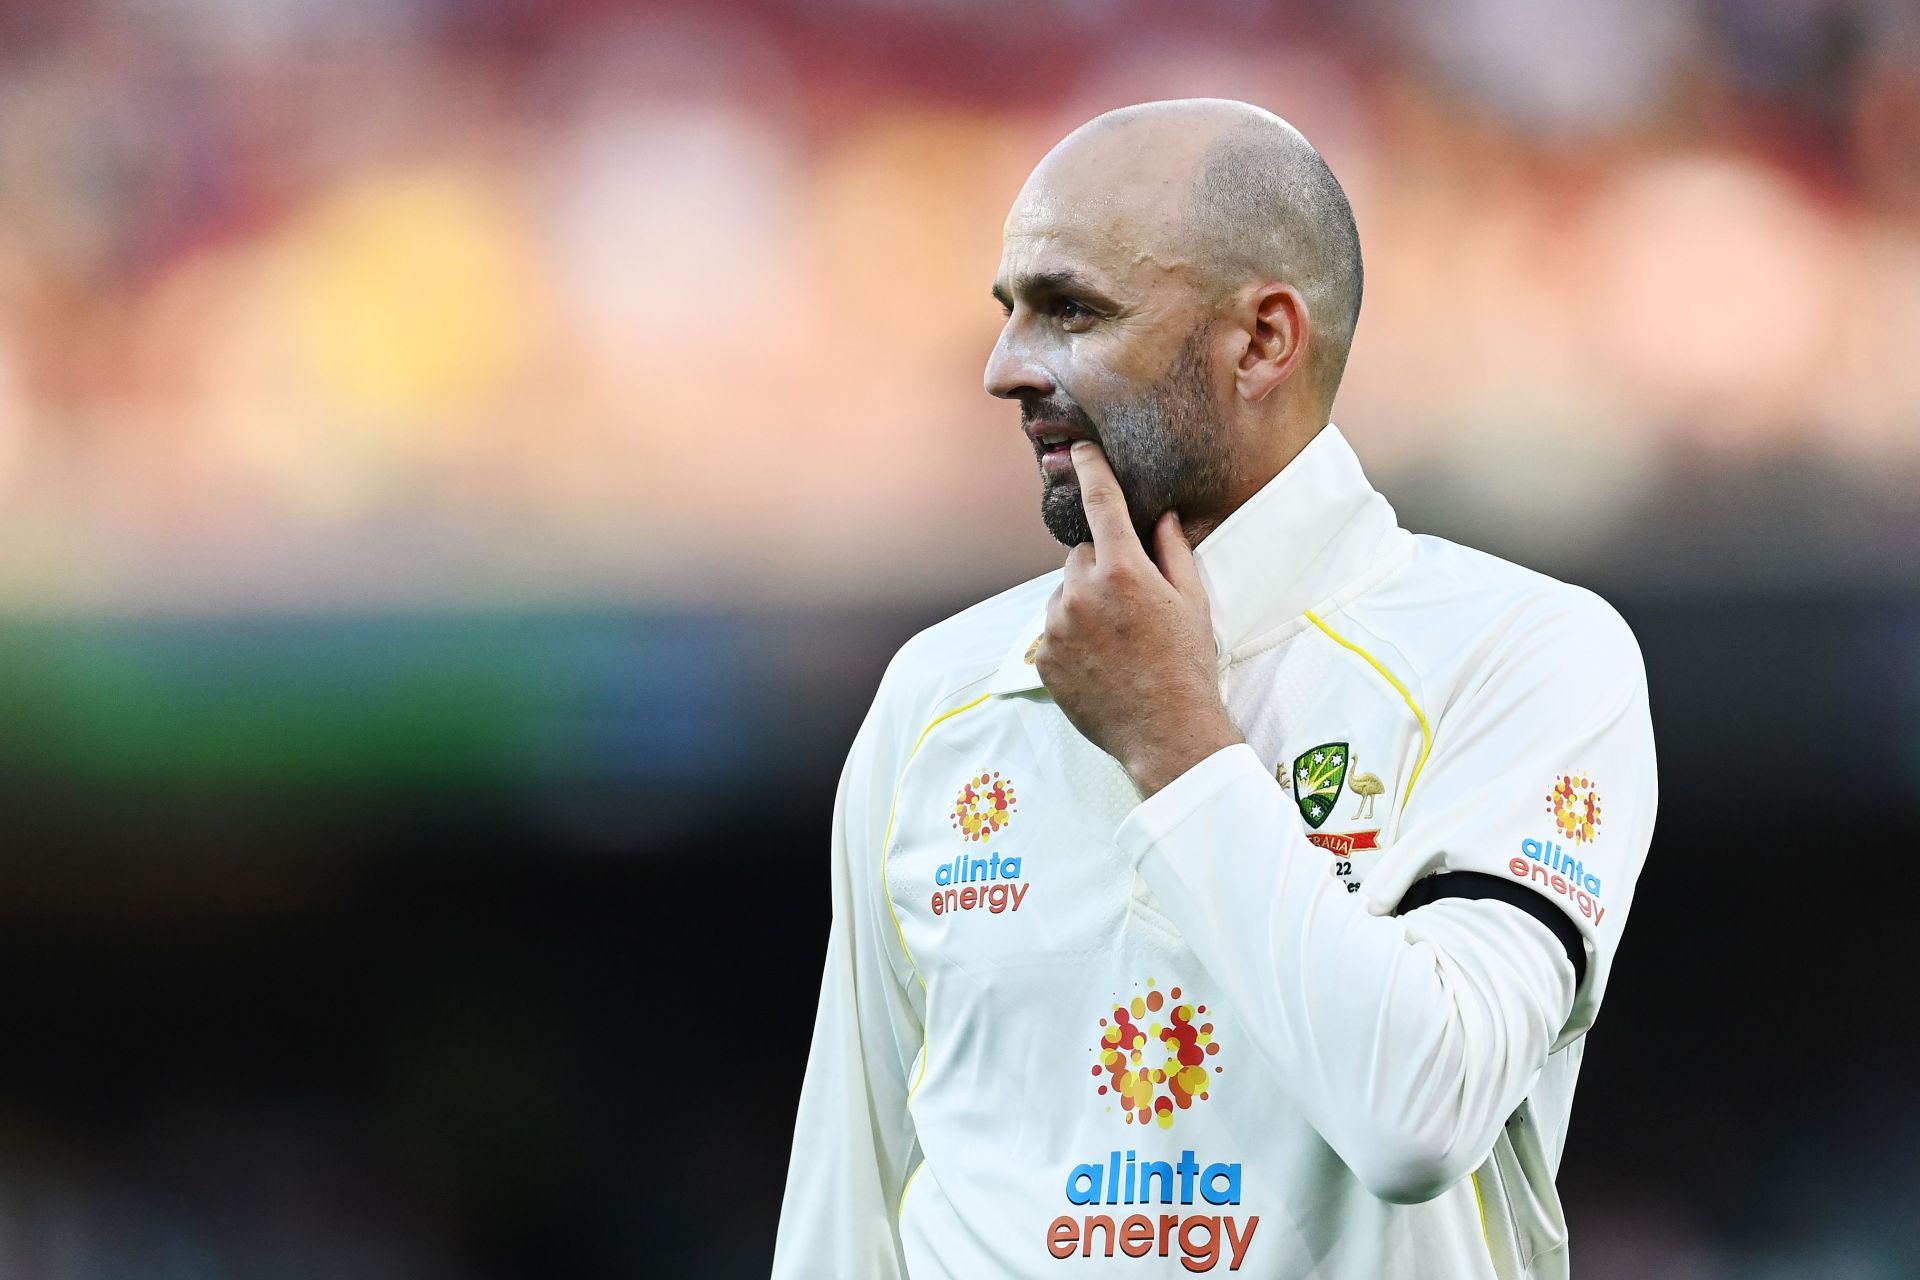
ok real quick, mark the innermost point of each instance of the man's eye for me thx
(1072, 313)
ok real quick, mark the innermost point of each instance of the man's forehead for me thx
(1105, 176)
(1104, 232)
(1083, 212)
(1026, 255)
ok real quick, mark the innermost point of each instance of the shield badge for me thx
(1318, 774)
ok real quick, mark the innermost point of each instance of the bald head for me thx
(1180, 282)
(1222, 193)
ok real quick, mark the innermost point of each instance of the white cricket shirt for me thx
(1064, 1030)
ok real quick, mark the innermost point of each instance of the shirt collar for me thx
(1310, 531)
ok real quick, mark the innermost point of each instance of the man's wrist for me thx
(1158, 763)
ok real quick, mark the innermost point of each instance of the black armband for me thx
(1478, 884)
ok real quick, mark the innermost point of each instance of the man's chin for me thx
(1065, 518)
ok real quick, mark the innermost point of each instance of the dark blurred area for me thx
(464, 467)
(313, 1020)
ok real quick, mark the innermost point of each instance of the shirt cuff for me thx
(1156, 819)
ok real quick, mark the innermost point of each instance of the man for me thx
(1238, 897)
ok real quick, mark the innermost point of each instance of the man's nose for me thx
(1012, 371)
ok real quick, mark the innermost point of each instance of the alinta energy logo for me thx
(1155, 1053)
(1574, 806)
(1198, 1220)
(983, 809)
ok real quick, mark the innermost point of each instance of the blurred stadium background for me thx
(463, 467)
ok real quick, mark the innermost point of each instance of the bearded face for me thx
(1163, 444)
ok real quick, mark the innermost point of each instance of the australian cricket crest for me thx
(1318, 774)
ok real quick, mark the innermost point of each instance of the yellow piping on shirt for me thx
(1479, 1203)
(1426, 730)
(887, 840)
(893, 809)
(918, 1169)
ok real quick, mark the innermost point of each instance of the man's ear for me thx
(1277, 335)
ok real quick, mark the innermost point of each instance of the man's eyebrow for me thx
(1047, 283)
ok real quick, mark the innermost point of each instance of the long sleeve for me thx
(853, 1144)
(1408, 1040)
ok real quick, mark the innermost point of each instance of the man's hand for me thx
(1128, 652)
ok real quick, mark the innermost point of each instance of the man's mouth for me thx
(1054, 442)
(1056, 456)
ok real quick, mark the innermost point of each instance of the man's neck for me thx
(1275, 447)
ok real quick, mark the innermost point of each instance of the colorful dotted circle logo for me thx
(985, 806)
(1157, 1068)
(1575, 807)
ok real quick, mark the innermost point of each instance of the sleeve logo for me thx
(1575, 808)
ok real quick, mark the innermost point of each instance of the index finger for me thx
(1101, 499)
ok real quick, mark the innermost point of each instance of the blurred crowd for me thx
(465, 463)
(429, 302)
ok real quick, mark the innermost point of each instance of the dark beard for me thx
(1164, 449)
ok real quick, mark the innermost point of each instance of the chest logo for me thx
(984, 807)
(1317, 776)
(1156, 1056)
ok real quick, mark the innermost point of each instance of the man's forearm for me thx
(1406, 1041)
